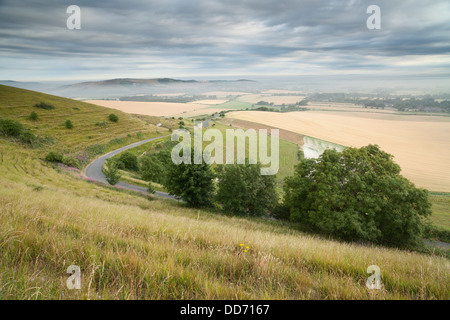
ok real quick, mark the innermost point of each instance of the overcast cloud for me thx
(192, 38)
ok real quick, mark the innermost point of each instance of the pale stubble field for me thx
(420, 144)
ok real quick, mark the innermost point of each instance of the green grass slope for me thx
(91, 124)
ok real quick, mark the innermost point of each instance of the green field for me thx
(441, 210)
(131, 246)
(233, 104)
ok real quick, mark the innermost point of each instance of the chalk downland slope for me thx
(131, 248)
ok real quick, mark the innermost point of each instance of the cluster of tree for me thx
(15, 129)
(425, 103)
(175, 99)
(357, 194)
(266, 106)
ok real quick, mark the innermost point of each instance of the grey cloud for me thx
(203, 35)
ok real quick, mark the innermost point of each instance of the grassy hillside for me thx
(129, 247)
(91, 124)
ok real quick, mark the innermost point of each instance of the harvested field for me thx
(210, 102)
(284, 134)
(334, 106)
(420, 144)
(149, 108)
(223, 94)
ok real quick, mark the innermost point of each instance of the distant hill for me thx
(115, 88)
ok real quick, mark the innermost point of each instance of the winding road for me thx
(95, 172)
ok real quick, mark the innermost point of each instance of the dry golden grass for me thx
(420, 144)
(130, 248)
(149, 108)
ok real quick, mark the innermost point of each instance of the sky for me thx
(223, 39)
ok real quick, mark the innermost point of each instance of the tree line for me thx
(356, 194)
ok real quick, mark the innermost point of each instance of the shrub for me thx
(95, 150)
(101, 124)
(68, 124)
(33, 116)
(281, 212)
(358, 194)
(116, 141)
(129, 161)
(11, 128)
(242, 189)
(43, 105)
(113, 117)
(150, 188)
(54, 157)
(27, 136)
(71, 162)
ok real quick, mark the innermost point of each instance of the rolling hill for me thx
(131, 247)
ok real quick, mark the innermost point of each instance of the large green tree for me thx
(243, 190)
(128, 161)
(154, 167)
(357, 194)
(192, 182)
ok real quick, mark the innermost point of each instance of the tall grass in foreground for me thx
(132, 248)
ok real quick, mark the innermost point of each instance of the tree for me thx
(111, 172)
(192, 182)
(128, 161)
(68, 124)
(242, 189)
(154, 167)
(358, 194)
(114, 118)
